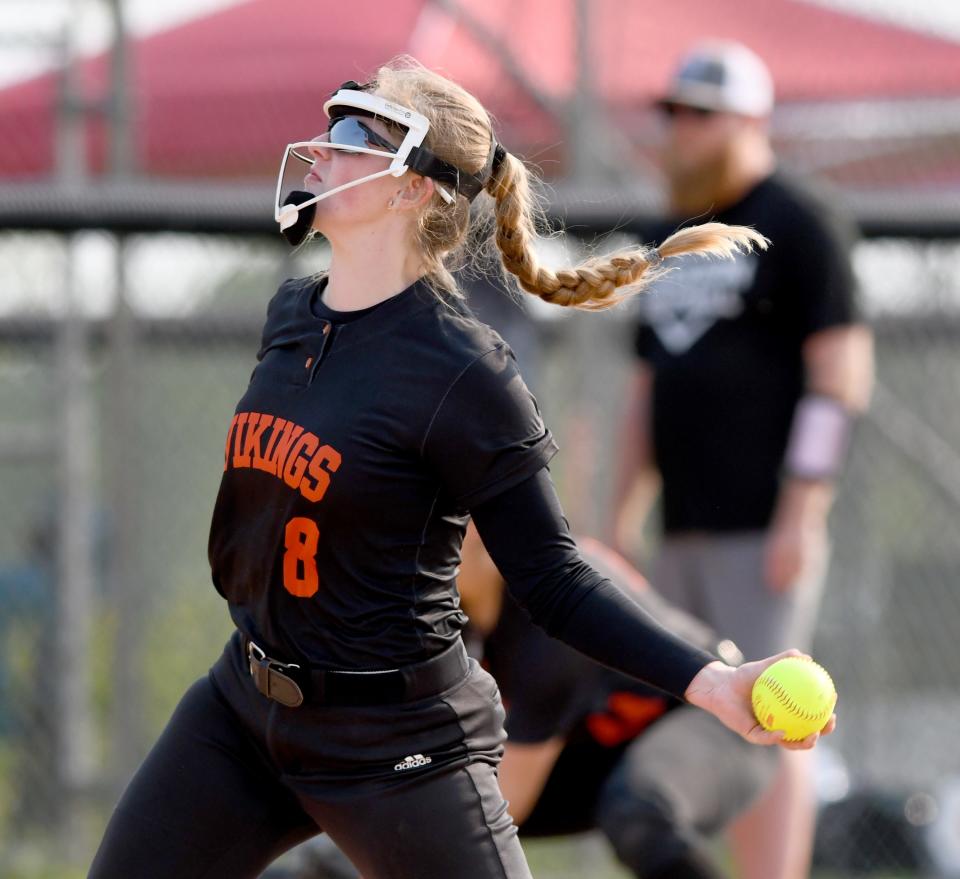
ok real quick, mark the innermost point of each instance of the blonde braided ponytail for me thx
(600, 282)
(461, 133)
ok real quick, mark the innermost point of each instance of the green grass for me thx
(577, 857)
(549, 859)
(48, 872)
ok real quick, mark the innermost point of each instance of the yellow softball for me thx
(795, 695)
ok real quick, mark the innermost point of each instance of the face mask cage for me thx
(350, 134)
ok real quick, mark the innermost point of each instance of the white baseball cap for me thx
(723, 76)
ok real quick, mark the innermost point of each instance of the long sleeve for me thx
(526, 534)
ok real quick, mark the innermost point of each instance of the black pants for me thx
(657, 799)
(236, 779)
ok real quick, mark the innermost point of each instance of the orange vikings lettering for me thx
(226, 448)
(251, 443)
(291, 453)
(290, 432)
(266, 463)
(238, 435)
(297, 465)
(324, 455)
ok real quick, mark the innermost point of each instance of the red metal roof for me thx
(221, 95)
(814, 53)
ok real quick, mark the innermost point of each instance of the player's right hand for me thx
(725, 693)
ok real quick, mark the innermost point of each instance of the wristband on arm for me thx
(819, 438)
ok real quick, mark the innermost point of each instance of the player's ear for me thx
(415, 194)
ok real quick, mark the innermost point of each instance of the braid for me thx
(460, 133)
(600, 282)
(713, 239)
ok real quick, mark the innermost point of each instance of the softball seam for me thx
(781, 696)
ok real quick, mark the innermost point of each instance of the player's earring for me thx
(391, 204)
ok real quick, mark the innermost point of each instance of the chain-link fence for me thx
(113, 410)
(118, 375)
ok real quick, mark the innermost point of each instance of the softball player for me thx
(589, 747)
(381, 416)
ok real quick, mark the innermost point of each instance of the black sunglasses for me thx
(350, 131)
(672, 111)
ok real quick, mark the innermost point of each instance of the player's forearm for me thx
(839, 377)
(839, 363)
(633, 508)
(629, 465)
(636, 480)
(803, 502)
(528, 539)
(612, 629)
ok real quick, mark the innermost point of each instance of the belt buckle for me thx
(252, 649)
(269, 678)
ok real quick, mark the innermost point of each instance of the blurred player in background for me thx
(748, 378)
(591, 748)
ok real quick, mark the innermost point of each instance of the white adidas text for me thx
(412, 762)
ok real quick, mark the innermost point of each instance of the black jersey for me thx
(724, 339)
(359, 446)
(552, 690)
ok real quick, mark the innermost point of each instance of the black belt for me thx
(291, 684)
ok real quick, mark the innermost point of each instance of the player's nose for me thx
(318, 150)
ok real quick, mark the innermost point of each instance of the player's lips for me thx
(312, 177)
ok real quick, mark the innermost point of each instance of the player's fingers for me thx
(760, 736)
(761, 665)
(804, 744)
(830, 726)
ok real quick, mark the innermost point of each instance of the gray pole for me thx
(124, 589)
(589, 158)
(74, 547)
(122, 155)
(598, 151)
(126, 597)
(582, 111)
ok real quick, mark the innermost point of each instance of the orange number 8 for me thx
(301, 539)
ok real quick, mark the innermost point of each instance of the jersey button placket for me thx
(313, 361)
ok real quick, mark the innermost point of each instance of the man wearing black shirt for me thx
(747, 379)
